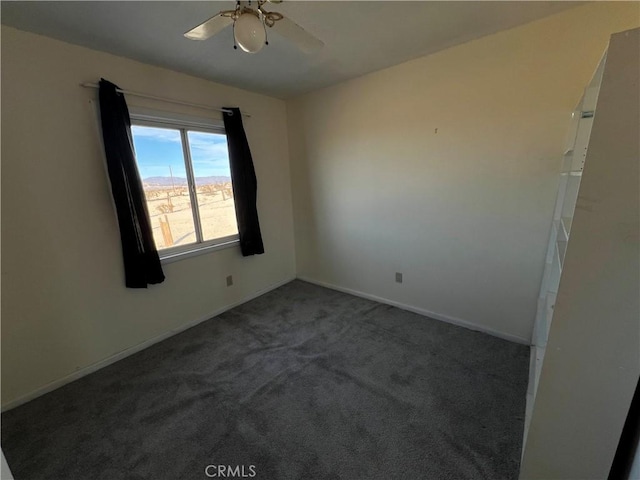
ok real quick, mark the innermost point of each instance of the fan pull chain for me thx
(235, 47)
(266, 35)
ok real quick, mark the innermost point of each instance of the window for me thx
(184, 167)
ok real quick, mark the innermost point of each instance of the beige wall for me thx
(445, 168)
(592, 359)
(64, 305)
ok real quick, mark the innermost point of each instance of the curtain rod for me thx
(162, 99)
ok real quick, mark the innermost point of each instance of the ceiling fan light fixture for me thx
(249, 32)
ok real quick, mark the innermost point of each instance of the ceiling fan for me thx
(250, 27)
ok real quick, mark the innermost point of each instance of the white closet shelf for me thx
(566, 225)
(562, 250)
(570, 179)
(563, 236)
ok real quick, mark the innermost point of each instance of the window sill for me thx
(170, 257)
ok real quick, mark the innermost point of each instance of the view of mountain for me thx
(181, 181)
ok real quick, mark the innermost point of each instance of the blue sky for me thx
(159, 148)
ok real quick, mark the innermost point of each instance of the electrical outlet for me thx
(398, 277)
(229, 280)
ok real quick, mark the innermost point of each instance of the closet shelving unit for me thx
(576, 146)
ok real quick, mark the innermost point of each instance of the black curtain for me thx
(245, 185)
(141, 261)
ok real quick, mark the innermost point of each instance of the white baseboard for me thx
(141, 346)
(421, 311)
(135, 349)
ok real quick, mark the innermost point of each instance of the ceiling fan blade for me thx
(298, 35)
(210, 27)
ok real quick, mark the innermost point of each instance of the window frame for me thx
(185, 123)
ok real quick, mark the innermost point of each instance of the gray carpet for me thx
(303, 382)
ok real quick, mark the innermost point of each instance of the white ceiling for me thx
(359, 36)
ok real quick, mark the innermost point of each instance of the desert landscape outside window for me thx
(187, 185)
